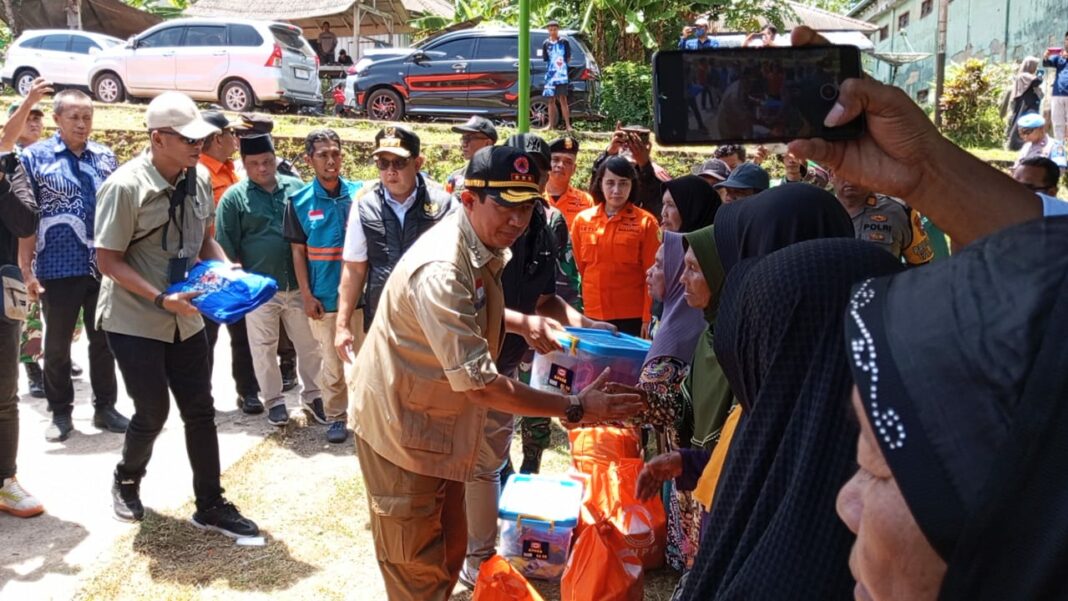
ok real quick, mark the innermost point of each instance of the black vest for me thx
(387, 241)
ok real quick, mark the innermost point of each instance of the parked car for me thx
(238, 63)
(61, 56)
(460, 73)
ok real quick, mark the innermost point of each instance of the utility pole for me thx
(523, 121)
(940, 60)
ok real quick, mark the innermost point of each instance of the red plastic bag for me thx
(499, 581)
(602, 567)
(643, 525)
(604, 444)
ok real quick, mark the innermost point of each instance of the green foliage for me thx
(171, 9)
(5, 39)
(626, 93)
(970, 111)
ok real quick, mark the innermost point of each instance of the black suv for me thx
(460, 73)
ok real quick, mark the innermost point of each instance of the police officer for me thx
(426, 377)
(476, 134)
(885, 221)
(387, 219)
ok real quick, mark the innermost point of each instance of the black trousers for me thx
(61, 302)
(9, 397)
(150, 368)
(240, 356)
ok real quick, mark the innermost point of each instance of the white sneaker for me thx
(15, 500)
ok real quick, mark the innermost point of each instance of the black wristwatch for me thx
(159, 299)
(574, 411)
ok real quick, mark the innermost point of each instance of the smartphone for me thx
(1054, 51)
(750, 95)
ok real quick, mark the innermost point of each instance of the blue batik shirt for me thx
(65, 186)
(697, 44)
(557, 54)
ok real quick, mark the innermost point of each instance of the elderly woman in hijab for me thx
(960, 491)
(689, 204)
(1025, 96)
(772, 532)
(763, 223)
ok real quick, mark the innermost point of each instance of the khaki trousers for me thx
(483, 493)
(263, 325)
(332, 375)
(419, 528)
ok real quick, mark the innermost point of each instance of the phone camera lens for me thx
(829, 91)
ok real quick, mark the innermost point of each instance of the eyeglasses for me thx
(188, 141)
(467, 139)
(395, 164)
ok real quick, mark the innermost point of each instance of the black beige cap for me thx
(565, 144)
(508, 174)
(477, 125)
(397, 140)
(256, 124)
(220, 120)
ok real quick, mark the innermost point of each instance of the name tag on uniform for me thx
(316, 215)
(480, 294)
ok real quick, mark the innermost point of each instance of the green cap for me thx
(15, 106)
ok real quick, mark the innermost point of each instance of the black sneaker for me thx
(224, 518)
(36, 378)
(278, 415)
(60, 429)
(250, 404)
(289, 381)
(76, 370)
(315, 411)
(107, 418)
(126, 499)
(337, 433)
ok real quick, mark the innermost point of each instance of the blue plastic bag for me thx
(227, 293)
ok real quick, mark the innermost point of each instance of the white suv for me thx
(238, 63)
(61, 56)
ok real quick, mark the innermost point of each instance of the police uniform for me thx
(418, 437)
(888, 222)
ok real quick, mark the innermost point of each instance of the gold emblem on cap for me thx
(390, 132)
(568, 143)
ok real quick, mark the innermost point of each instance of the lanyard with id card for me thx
(178, 267)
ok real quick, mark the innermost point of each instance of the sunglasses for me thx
(467, 139)
(395, 164)
(188, 141)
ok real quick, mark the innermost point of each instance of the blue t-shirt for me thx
(1060, 82)
(556, 55)
(697, 44)
(65, 186)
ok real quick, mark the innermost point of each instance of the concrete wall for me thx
(976, 28)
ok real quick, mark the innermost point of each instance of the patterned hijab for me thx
(773, 532)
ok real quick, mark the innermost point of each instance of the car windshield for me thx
(288, 38)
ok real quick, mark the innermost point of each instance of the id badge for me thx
(177, 270)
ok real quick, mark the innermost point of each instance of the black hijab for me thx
(696, 200)
(777, 217)
(977, 434)
(773, 532)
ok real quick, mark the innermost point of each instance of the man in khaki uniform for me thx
(425, 378)
(884, 221)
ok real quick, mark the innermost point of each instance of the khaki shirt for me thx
(131, 208)
(887, 222)
(438, 330)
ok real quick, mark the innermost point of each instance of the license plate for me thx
(302, 73)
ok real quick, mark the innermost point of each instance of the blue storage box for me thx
(537, 514)
(586, 353)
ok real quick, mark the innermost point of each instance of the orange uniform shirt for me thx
(613, 254)
(222, 177)
(571, 203)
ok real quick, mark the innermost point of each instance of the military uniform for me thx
(891, 224)
(418, 437)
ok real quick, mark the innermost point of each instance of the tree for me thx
(11, 16)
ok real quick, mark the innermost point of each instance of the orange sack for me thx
(604, 444)
(499, 581)
(602, 567)
(643, 525)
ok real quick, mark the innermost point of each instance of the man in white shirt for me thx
(385, 221)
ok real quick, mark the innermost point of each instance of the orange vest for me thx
(613, 254)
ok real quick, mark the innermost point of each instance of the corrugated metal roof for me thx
(825, 20)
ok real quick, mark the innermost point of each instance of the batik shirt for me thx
(65, 186)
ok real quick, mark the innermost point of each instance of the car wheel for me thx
(24, 81)
(539, 113)
(237, 96)
(109, 89)
(385, 105)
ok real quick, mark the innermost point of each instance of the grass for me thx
(309, 500)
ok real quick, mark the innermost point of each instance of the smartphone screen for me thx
(739, 95)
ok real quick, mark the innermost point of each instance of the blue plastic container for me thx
(586, 353)
(537, 515)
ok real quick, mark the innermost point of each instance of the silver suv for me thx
(238, 63)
